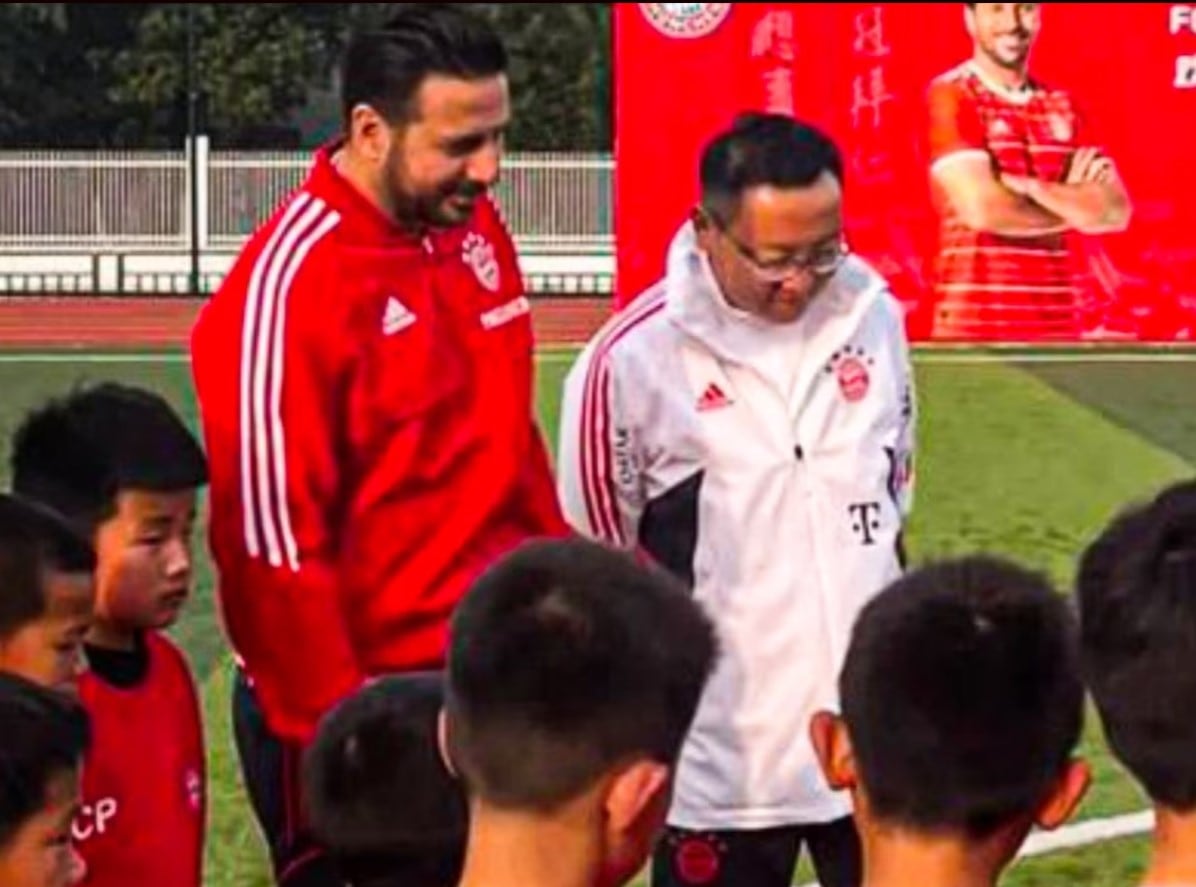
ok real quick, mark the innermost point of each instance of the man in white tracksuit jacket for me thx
(748, 422)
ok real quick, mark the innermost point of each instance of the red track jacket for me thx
(366, 402)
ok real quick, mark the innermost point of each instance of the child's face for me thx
(49, 650)
(40, 854)
(143, 552)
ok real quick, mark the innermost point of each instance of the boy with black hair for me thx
(1136, 591)
(574, 674)
(121, 466)
(44, 734)
(961, 706)
(46, 595)
(380, 795)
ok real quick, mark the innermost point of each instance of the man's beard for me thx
(1013, 61)
(431, 209)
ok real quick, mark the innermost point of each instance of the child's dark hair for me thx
(379, 795)
(962, 695)
(43, 733)
(33, 543)
(78, 452)
(1136, 591)
(566, 658)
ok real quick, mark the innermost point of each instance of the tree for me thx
(55, 64)
(560, 71)
(260, 65)
(114, 74)
(256, 65)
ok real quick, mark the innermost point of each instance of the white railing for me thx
(54, 201)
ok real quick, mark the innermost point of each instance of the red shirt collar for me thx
(362, 214)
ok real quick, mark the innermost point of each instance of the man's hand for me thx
(1090, 198)
(1087, 165)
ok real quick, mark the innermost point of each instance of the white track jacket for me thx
(771, 468)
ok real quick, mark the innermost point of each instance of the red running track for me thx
(139, 322)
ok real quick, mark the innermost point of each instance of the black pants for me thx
(763, 858)
(270, 769)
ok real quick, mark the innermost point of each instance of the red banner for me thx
(862, 72)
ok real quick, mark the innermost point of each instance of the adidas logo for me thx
(396, 317)
(713, 398)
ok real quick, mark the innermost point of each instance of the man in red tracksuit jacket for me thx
(365, 380)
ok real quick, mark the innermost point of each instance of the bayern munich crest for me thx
(685, 20)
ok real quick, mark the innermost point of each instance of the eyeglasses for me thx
(821, 261)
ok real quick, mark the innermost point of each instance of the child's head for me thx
(574, 675)
(961, 706)
(43, 737)
(120, 464)
(1136, 591)
(379, 794)
(46, 594)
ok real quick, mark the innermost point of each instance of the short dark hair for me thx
(962, 695)
(77, 453)
(33, 542)
(566, 657)
(379, 795)
(1136, 593)
(763, 149)
(386, 67)
(46, 733)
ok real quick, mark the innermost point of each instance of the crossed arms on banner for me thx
(1091, 199)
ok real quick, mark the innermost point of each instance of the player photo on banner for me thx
(1020, 172)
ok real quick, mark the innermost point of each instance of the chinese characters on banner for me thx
(773, 50)
(869, 94)
(862, 72)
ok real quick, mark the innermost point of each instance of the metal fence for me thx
(140, 200)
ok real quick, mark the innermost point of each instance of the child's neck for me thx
(899, 858)
(1173, 849)
(515, 850)
(109, 637)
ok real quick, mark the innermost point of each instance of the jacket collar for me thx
(367, 223)
(696, 304)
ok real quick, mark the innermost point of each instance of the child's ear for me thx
(832, 746)
(442, 742)
(637, 798)
(1065, 796)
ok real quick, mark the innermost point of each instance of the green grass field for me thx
(1022, 458)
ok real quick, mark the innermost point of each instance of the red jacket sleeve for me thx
(538, 495)
(539, 490)
(272, 436)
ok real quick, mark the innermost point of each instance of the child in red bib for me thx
(120, 465)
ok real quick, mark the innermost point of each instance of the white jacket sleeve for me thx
(902, 474)
(599, 481)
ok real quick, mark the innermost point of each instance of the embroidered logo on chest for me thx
(999, 129)
(851, 368)
(478, 253)
(396, 317)
(1060, 127)
(713, 398)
